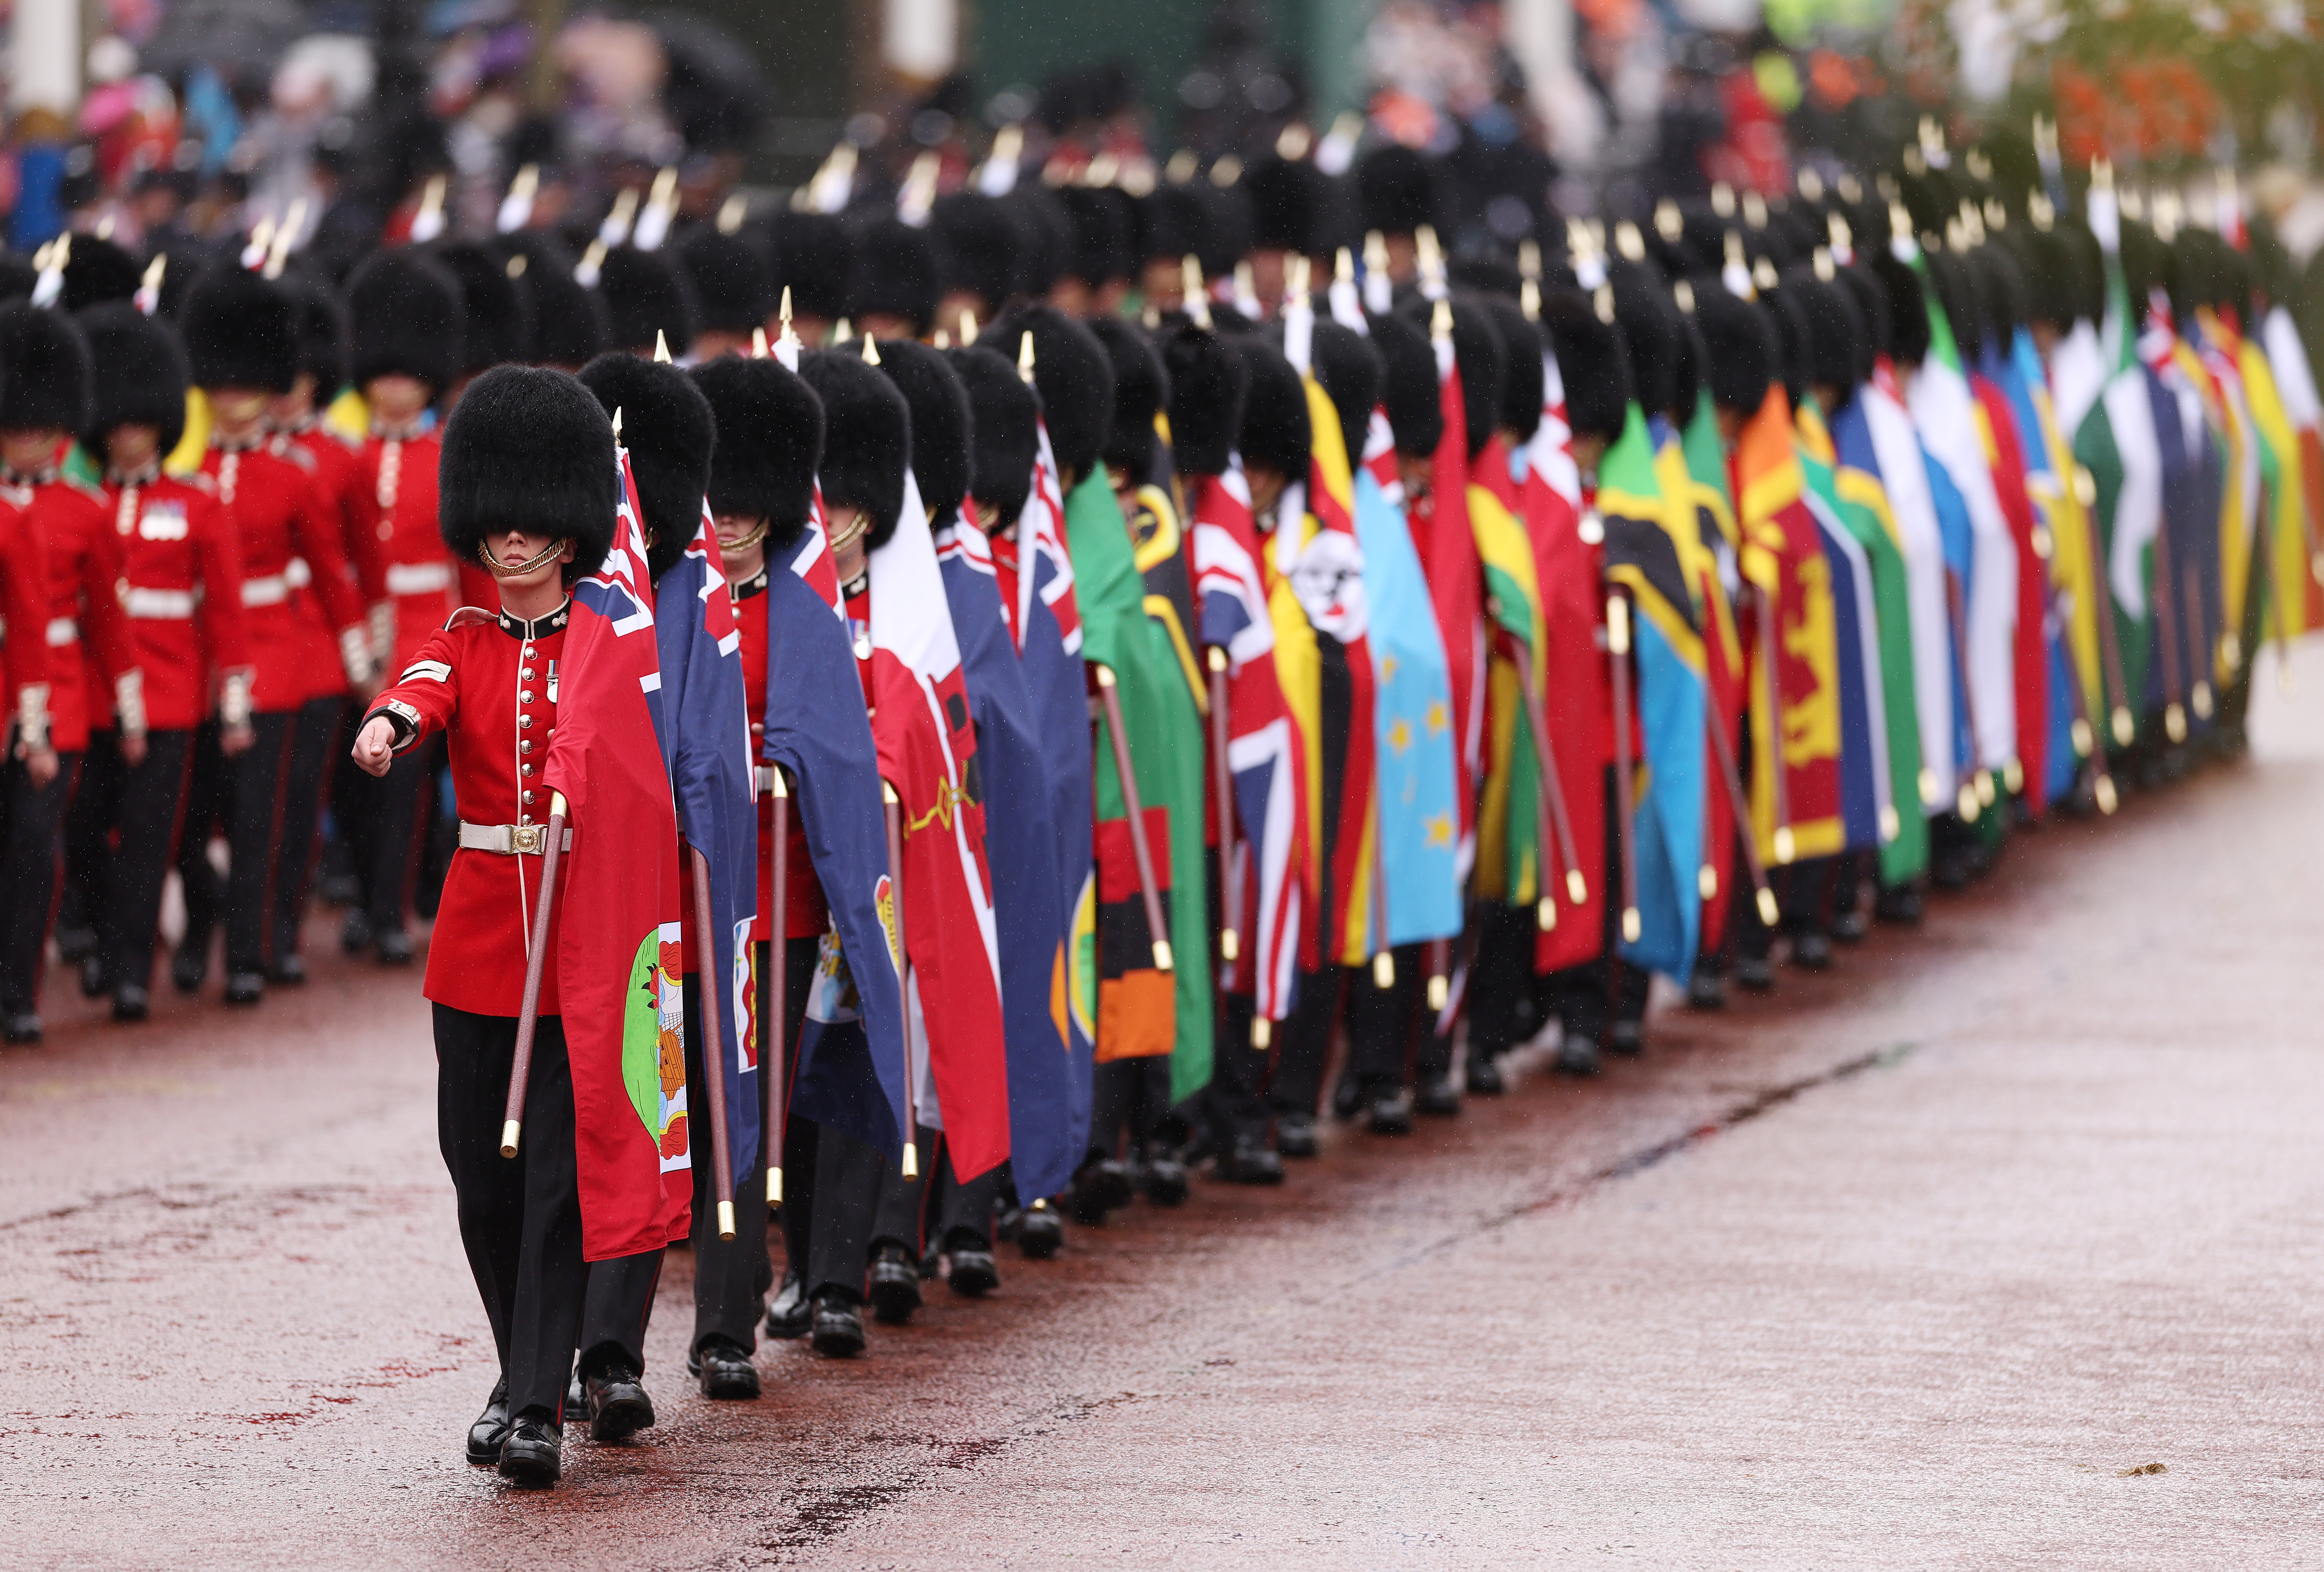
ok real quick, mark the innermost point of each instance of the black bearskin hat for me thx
(1648, 318)
(47, 384)
(1521, 382)
(867, 437)
(1593, 364)
(1286, 199)
(645, 296)
(528, 448)
(1173, 223)
(1232, 225)
(1686, 370)
(670, 432)
(98, 271)
(242, 331)
(498, 308)
(770, 441)
(1482, 361)
(570, 325)
(406, 320)
(729, 278)
(1864, 286)
(1276, 431)
(1045, 236)
(18, 276)
(1349, 371)
(814, 256)
(1075, 377)
(1408, 386)
(980, 244)
(1141, 391)
(1908, 308)
(2049, 267)
(1005, 415)
(942, 434)
(322, 328)
(1792, 340)
(1208, 384)
(1100, 218)
(1397, 188)
(898, 273)
(140, 374)
(1739, 349)
(1835, 335)
(2000, 288)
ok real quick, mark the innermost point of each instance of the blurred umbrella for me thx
(242, 40)
(715, 93)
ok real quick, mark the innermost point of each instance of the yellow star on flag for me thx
(1399, 735)
(1439, 719)
(1440, 830)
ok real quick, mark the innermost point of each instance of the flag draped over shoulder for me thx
(1569, 567)
(706, 739)
(1864, 509)
(2030, 649)
(1046, 1085)
(1143, 1012)
(1864, 801)
(1316, 574)
(1448, 555)
(1510, 851)
(1265, 753)
(927, 737)
(850, 1071)
(1418, 823)
(1716, 530)
(2282, 549)
(2064, 577)
(1904, 468)
(1642, 558)
(618, 959)
(2295, 385)
(1794, 651)
(1946, 412)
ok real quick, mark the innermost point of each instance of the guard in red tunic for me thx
(404, 313)
(181, 585)
(42, 403)
(528, 491)
(306, 775)
(242, 340)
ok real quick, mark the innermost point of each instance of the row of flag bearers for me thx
(1018, 755)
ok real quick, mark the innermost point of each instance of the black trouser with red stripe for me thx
(520, 1217)
(305, 773)
(29, 818)
(236, 795)
(119, 887)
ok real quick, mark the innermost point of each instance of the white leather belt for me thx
(417, 579)
(763, 780)
(62, 632)
(271, 591)
(159, 605)
(510, 840)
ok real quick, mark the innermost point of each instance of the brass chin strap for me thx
(744, 542)
(502, 570)
(842, 540)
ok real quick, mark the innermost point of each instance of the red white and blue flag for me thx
(705, 718)
(926, 738)
(1264, 752)
(619, 959)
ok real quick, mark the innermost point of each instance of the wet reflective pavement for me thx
(1905, 1265)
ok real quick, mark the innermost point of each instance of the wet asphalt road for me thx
(1904, 1267)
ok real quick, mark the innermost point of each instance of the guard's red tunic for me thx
(181, 585)
(268, 489)
(489, 683)
(86, 632)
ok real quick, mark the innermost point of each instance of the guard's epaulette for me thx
(199, 481)
(469, 617)
(283, 447)
(94, 493)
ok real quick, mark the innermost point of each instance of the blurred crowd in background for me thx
(169, 124)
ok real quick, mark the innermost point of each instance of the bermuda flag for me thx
(927, 737)
(706, 740)
(1263, 745)
(1045, 622)
(849, 1073)
(1021, 848)
(618, 958)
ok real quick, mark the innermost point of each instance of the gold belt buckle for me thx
(528, 839)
